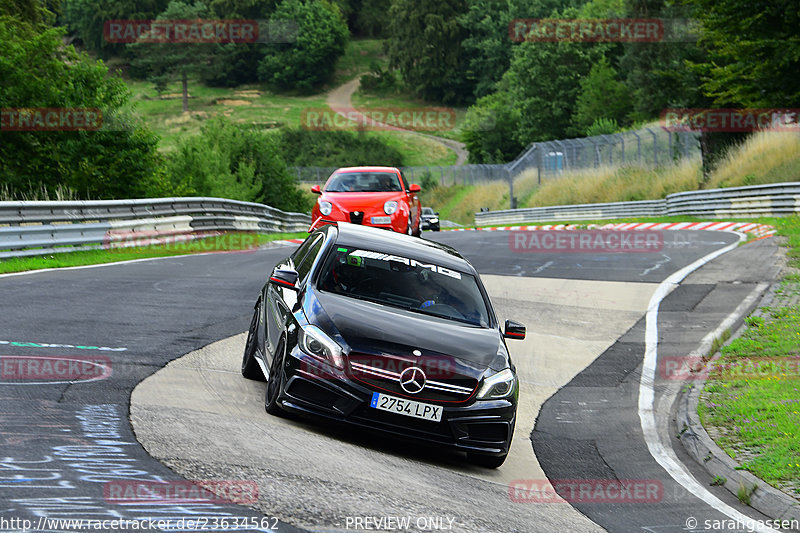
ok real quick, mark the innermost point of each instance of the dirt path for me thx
(340, 100)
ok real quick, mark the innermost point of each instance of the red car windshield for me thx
(363, 182)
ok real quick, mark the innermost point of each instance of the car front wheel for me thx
(250, 368)
(271, 403)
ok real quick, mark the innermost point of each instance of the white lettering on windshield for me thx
(406, 261)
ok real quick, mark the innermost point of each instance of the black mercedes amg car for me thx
(387, 332)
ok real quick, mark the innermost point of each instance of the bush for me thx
(489, 130)
(119, 160)
(337, 149)
(228, 161)
(310, 60)
(602, 126)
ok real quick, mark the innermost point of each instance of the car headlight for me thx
(434, 220)
(390, 207)
(325, 207)
(499, 385)
(316, 343)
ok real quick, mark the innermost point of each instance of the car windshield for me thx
(404, 283)
(427, 211)
(363, 182)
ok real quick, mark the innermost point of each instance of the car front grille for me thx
(443, 382)
(357, 217)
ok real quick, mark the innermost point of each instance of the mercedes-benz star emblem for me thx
(412, 380)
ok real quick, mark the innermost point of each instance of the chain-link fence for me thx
(648, 147)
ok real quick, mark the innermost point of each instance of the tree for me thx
(86, 19)
(310, 60)
(165, 61)
(753, 52)
(228, 160)
(235, 64)
(544, 83)
(487, 44)
(601, 96)
(489, 129)
(119, 160)
(657, 74)
(425, 43)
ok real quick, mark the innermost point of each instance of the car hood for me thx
(361, 201)
(372, 328)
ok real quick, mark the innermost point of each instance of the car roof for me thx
(380, 240)
(367, 169)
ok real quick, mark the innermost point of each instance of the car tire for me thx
(409, 227)
(250, 368)
(486, 461)
(418, 233)
(271, 403)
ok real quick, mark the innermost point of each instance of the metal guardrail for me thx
(654, 208)
(758, 200)
(36, 228)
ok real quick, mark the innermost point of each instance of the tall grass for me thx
(622, 184)
(61, 193)
(765, 157)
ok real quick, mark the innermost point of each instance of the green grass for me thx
(446, 128)
(249, 104)
(358, 58)
(417, 150)
(757, 413)
(229, 242)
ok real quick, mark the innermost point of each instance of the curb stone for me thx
(764, 498)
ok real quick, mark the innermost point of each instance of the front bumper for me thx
(395, 224)
(313, 388)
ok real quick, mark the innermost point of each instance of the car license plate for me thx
(381, 220)
(401, 406)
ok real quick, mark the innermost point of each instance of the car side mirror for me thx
(436, 213)
(514, 330)
(315, 189)
(414, 188)
(284, 277)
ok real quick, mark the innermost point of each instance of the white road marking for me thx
(662, 454)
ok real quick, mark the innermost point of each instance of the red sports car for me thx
(372, 196)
